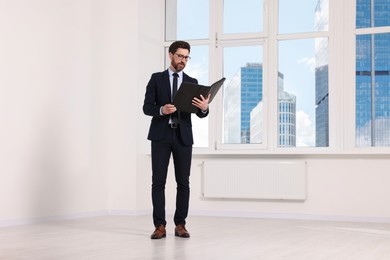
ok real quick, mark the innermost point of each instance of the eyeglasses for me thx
(181, 57)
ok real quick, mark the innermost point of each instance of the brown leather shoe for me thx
(159, 232)
(181, 231)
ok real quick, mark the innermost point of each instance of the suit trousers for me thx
(182, 156)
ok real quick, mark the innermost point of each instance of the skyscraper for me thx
(321, 75)
(243, 107)
(251, 95)
(287, 103)
(372, 75)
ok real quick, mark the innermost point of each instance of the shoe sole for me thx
(154, 237)
(177, 234)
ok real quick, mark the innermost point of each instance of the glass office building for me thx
(372, 75)
(251, 95)
(287, 104)
(243, 107)
(321, 76)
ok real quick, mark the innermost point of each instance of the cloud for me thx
(309, 62)
(197, 71)
(305, 130)
(382, 133)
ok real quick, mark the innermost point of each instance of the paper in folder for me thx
(187, 92)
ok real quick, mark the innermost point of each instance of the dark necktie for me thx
(174, 117)
(174, 86)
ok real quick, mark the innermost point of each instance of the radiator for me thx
(254, 179)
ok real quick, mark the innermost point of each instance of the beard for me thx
(179, 66)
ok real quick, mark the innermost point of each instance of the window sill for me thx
(313, 151)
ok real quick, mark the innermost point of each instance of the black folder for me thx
(187, 92)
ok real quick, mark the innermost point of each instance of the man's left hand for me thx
(202, 103)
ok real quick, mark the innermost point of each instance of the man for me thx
(171, 133)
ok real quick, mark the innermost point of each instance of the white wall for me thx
(46, 110)
(71, 105)
(67, 68)
(151, 59)
(73, 135)
(121, 71)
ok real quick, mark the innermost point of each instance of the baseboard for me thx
(36, 220)
(205, 213)
(338, 218)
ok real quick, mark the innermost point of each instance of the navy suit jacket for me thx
(158, 93)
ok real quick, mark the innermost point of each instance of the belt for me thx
(174, 125)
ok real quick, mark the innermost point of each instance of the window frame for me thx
(342, 90)
(350, 60)
(218, 144)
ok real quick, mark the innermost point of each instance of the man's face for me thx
(179, 59)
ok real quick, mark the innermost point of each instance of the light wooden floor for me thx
(119, 237)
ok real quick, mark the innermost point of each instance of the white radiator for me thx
(254, 179)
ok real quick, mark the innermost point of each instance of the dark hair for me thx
(179, 44)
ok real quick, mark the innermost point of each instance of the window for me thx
(303, 73)
(372, 73)
(186, 19)
(198, 68)
(243, 95)
(293, 82)
(236, 52)
(242, 16)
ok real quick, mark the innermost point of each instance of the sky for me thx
(296, 58)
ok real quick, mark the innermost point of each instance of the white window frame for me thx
(342, 57)
(349, 140)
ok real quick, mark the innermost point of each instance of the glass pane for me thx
(245, 16)
(373, 90)
(242, 95)
(198, 67)
(303, 16)
(381, 13)
(303, 117)
(186, 19)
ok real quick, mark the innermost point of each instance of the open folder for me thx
(187, 92)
